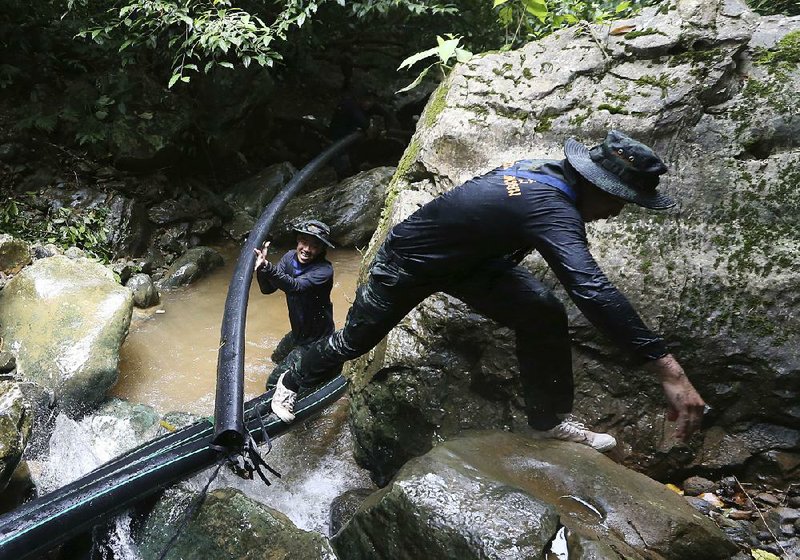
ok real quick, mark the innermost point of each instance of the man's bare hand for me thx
(261, 255)
(686, 406)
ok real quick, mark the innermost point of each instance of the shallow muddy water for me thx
(169, 359)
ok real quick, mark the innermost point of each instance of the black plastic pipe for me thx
(44, 523)
(228, 414)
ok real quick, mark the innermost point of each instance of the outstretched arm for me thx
(264, 284)
(686, 406)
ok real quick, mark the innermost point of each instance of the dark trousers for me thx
(512, 297)
(287, 356)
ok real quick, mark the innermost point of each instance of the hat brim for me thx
(315, 235)
(578, 156)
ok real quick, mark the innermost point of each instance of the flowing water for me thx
(169, 361)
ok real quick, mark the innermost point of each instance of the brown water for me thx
(169, 359)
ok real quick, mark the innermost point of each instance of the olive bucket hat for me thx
(317, 229)
(622, 167)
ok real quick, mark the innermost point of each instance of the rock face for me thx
(191, 266)
(229, 525)
(351, 208)
(497, 495)
(65, 320)
(712, 87)
(15, 428)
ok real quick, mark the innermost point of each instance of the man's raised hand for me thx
(261, 255)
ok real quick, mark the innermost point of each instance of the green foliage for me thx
(774, 7)
(443, 53)
(202, 35)
(526, 20)
(65, 227)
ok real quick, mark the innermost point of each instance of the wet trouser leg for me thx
(286, 345)
(515, 299)
(378, 307)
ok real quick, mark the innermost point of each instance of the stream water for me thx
(169, 361)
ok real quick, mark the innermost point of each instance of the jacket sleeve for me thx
(561, 240)
(315, 276)
(264, 278)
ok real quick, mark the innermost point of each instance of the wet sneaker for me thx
(283, 401)
(570, 430)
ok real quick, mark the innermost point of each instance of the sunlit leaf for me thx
(759, 554)
(414, 58)
(622, 30)
(416, 82)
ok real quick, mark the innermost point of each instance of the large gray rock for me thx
(498, 495)
(65, 320)
(227, 525)
(352, 208)
(191, 266)
(718, 276)
(254, 193)
(15, 428)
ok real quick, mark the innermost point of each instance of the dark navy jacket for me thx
(308, 294)
(498, 217)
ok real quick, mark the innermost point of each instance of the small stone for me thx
(739, 514)
(696, 485)
(74, 253)
(764, 536)
(769, 499)
(7, 361)
(794, 502)
(712, 499)
(699, 504)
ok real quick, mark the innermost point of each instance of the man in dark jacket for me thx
(307, 278)
(468, 243)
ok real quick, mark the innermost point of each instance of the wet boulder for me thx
(227, 525)
(191, 266)
(76, 447)
(128, 226)
(351, 208)
(144, 291)
(65, 320)
(254, 193)
(498, 495)
(14, 254)
(718, 276)
(15, 428)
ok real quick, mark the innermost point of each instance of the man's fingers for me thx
(689, 422)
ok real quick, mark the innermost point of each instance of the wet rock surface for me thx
(498, 495)
(65, 319)
(351, 208)
(15, 428)
(144, 290)
(191, 266)
(229, 525)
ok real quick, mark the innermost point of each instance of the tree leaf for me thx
(414, 58)
(759, 554)
(173, 79)
(416, 82)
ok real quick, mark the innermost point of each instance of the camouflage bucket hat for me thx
(622, 167)
(317, 229)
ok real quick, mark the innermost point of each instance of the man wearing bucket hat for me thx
(468, 243)
(307, 278)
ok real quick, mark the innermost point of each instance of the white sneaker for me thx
(570, 430)
(283, 401)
